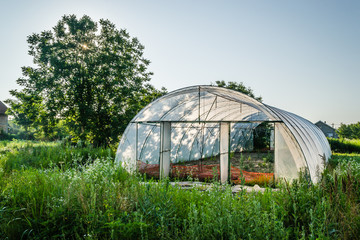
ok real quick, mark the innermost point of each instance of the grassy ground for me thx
(48, 190)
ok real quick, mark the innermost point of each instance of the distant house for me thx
(327, 130)
(3, 118)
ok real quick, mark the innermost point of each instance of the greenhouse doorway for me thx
(254, 163)
(236, 152)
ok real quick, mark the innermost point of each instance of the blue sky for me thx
(300, 56)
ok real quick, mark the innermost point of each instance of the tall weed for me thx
(60, 203)
(17, 155)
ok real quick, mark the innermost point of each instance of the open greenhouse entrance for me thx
(240, 152)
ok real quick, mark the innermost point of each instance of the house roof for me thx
(3, 108)
(324, 124)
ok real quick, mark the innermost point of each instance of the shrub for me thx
(344, 145)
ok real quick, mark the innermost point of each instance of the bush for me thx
(344, 145)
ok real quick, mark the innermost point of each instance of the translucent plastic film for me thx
(165, 146)
(224, 151)
(203, 103)
(313, 144)
(289, 159)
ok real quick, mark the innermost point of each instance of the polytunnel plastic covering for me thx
(195, 114)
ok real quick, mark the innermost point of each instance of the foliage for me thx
(91, 75)
(16, 131)
(75, 203)
(95, 199)
(20, 155)
(240, 87)
(262, 136)
(26, 109)
(336, 158)
(344, 145)
(350, 131)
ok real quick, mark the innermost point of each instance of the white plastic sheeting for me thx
(165, 144)
(195, 115)
(311, 141)
(224, 151)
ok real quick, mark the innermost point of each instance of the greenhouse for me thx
(207, 132)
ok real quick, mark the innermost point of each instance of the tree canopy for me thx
(350, 131)
(91, 75)
(237, 86)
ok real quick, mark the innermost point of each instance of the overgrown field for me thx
(49, 190)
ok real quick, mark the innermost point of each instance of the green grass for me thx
(344, 157)
(17, 155)
(56, 203)
(88, 197)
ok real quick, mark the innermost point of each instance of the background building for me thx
(3, 118)
(327, 130)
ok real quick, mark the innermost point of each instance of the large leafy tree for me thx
(90, 74)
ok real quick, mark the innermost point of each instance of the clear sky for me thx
(300, 56)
